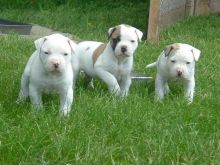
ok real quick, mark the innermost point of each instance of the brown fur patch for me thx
(115, 32)
(98, 52)
(169, 48)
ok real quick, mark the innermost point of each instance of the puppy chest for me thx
(53, 85)
(120, 71)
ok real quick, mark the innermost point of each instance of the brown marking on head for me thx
(39, 43)
(139, 39)
(169, 48)
(72, 45)
(98, 52)
(115, 32)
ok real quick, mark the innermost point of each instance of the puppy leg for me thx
(125, 85)
(66, 99)
(24, 91)
(160, 87)
(166, 88)
(35, 96)
(109, 79)
(189, 87)
(76, 72)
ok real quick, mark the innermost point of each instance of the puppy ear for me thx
(72, 45)
(111, 31)
(39, 42)
(196, 53)
(139, 34)
(169, 48)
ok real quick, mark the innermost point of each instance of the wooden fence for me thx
(166, 12)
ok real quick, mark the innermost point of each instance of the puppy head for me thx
(55, 52)
(124, 39)
(181, 59)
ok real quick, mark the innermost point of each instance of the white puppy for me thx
(49, 69)
(111, 62)
(176, 62)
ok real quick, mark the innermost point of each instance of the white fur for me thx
(179, 61)
(112, 66)
(49, 69)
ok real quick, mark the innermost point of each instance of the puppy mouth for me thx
(124, 54)
(176, 77)
(179, 76)
(55, 70)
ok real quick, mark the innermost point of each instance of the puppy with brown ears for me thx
(49, 69)
(111, 62)
(176, 62)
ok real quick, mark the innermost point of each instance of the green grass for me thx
(103, 129)
(88, 20)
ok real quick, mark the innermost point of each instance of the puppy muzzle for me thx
(123, 51)
(56, 65)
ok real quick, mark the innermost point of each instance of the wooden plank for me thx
(215, 6)
(171, 17)
(163, 13)
(190, 7)
(153, 20)
(202, 7)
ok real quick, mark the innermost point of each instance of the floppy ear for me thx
(72, 46)
(111, 31)
(39, 42)
(196, 53)
(169, 48)
(139, 34)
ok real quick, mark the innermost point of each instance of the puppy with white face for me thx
(111, 62)
(176, 62)
(49, 69)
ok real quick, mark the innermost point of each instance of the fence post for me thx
(214, 6)
(190, 7)
(202, 7)
(153, 29)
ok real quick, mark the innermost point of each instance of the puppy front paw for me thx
(123, 93)
(115, 90)
(158, 99)
(189, 100)
(21, 97)
(64, 112)
(37, 106)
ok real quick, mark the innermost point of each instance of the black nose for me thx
(56, 65)
(123, 49)
(179, 73)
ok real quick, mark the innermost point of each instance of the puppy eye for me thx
(117, 39)
(132, 41)
(65, 54)
(173, 61)
(187, 62)
(46, 52)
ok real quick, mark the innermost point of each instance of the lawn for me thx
(103, 129)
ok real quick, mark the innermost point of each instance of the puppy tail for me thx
(151, 65)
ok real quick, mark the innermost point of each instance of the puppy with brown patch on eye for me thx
(111, 62)
(49, 69)
(176, 62)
